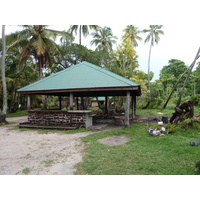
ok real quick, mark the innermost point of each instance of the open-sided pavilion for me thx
(81, 80)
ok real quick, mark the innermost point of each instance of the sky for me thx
(180, 41)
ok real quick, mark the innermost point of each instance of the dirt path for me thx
(27, 152)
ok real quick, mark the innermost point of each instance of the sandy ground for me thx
(28, 152)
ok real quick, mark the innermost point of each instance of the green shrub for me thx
(196, 100)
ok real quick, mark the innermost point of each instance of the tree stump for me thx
(183, 112)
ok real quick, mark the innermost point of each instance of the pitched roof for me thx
(81, 76)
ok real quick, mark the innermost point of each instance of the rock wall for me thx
(57, 118)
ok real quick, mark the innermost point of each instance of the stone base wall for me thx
(58, 118)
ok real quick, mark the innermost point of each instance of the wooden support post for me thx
(60, 102)
(82, 103)
(28, 102)
(127, 108)
(71, 97)
(133, 107)
(106, 104)
(86, 103)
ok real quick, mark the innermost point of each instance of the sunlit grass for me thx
(144, 154)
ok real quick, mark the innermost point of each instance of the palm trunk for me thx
(5, 106)
(149, 73)
(80, 34)
(40, 68)
(149, 88)
(44, 98)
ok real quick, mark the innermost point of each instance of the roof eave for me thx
(64, 91)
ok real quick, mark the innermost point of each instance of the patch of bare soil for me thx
(28, 152)
(114, 140)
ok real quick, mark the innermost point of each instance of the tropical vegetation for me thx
(103, 39)
(83, 30)
(37, 51)
(132, 32)
(153, 36)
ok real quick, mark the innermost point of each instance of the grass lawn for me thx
(144, 154)
(18, 114)
(165, 112)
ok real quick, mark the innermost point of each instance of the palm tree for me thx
(132, 33)
(103, 39)
(83, 29)
(4, 110)
(153, 36)
(36, 40)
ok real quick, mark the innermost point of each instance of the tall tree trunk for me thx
(5, 106)
(44, 97)
(174, 88)
(40, 67)
(80, 34)
(149, 88)
(194, 87)
(149, 73)
(187, 78)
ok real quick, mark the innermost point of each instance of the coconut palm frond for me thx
(63, 34)
(74, 28)
(103, 39)
(24, 55)
(85, 30)
(51, 45)
(132, 32)
(39, 46)
(17, 43)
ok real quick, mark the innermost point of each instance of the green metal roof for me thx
(80, 76)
